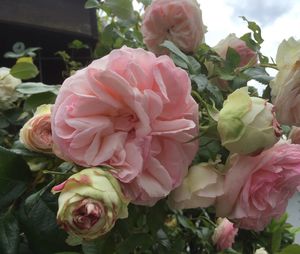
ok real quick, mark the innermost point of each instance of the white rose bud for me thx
(199, 188)
(247, 125)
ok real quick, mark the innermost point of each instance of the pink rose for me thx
(295, 135)
(246, 54)
(36, 133)
(134, 112)
(224, 234)
(257, 188)
(285, 89)
(179, 21)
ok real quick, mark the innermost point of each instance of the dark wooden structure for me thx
(49, 24)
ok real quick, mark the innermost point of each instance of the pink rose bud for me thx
(134, 112)
(224, 234)
(200, 188)
(257, 188)
(89, 203)
(36, 133)
(179, 21)
(246, 54)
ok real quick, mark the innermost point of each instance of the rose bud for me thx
(8, 85)
(36, 133)
(247, 125)
(285, 87)
(199, 188)
(89, 203)
(224, 234)
(246, 54)
(179, 21)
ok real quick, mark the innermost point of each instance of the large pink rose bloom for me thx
(257, 188)
(179, 21)
(134, 112)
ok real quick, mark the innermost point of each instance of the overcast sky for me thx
(278, 19)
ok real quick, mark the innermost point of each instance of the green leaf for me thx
(255, 29)
(173, 48)
(121, 8)
(38, 220)
(12, 55)
(259, 74)
(36, 87)
(9, 234)
(77, 44)
(250, 42)
(24, 70)
(291, 249)
(3, 122)
(35, 100)
(14, 176)
(15, 116)
(232, 59)
(90, 247)
(194, 65)
(216, 93)
(18, 47)
(200, 80)
(91, 4)
(133, 241)
(145, 2)
(19, 149)
(276, 240)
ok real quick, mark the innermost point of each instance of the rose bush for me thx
(134, 112)
(247, 125)
(90, 202)
(200, 188)
(257, 188)
(224, 234)
(179, 21)
(285, 87)
(36, 133)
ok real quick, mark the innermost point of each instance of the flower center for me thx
(87, 214)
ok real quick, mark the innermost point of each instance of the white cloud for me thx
(222, 17)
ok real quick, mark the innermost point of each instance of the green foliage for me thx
(291, 249)
(19, 50)
(36, 88)
(24, 70)
(9, 234)
(38, 220)
(14, 177)
(259, 74)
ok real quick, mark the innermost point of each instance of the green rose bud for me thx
(90, 202)
(247, 125)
